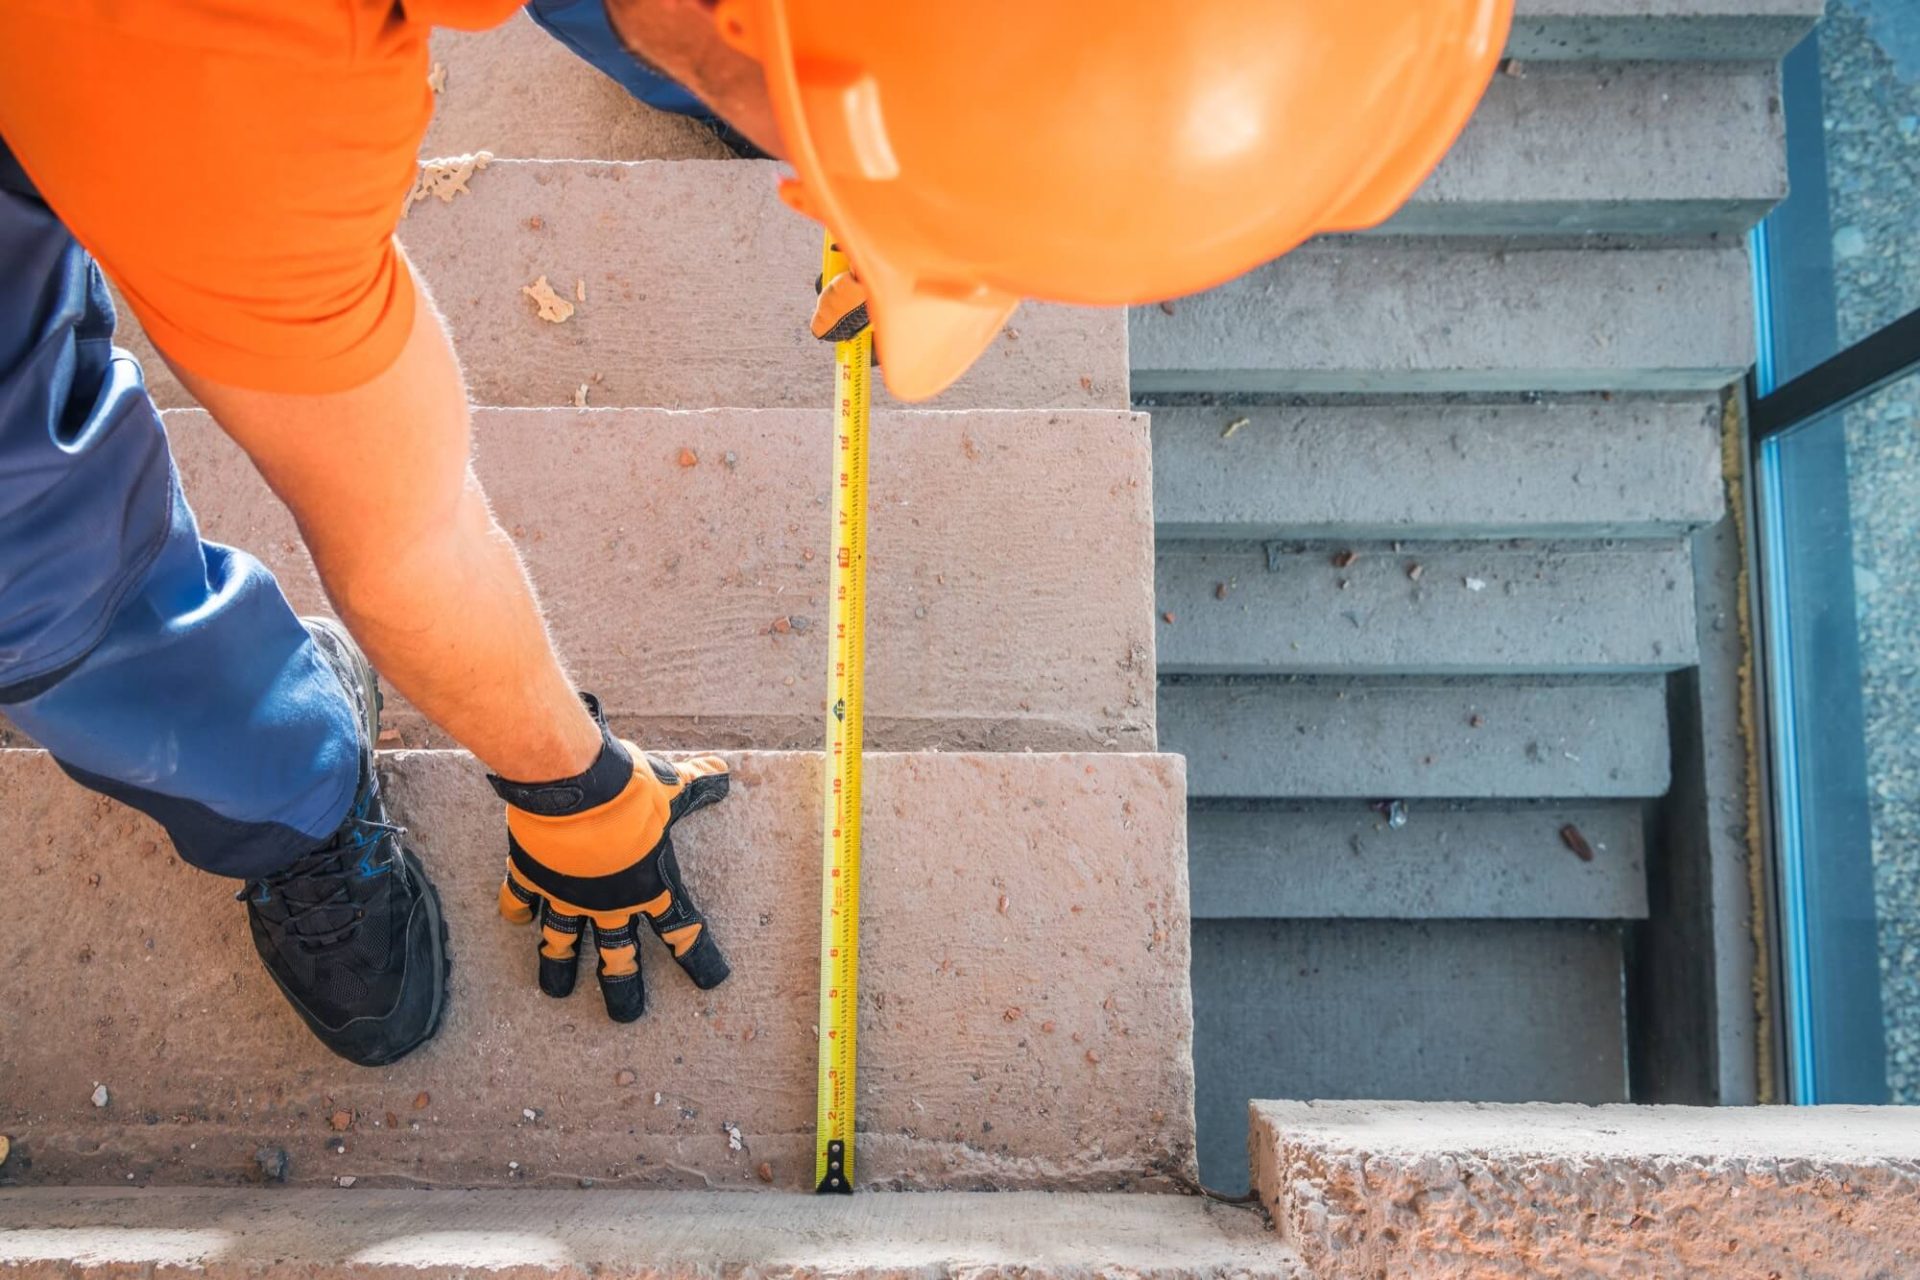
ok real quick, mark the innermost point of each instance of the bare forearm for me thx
(408, 551)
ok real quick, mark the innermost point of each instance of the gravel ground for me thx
(1870, 65)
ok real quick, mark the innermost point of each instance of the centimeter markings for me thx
(846, 650)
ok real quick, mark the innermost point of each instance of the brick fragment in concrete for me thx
(1388, 1188)
(1369, 739)
(1626, 467)
(1474, 609)
(1041, 1046)
(1446, 861)
(1639, 150)
(699, 284)
(627, 1235)
(1009, 599)
(1377, 314)
(1502, 1010)
(1622, 30)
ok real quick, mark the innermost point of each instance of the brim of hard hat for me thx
(926, 337)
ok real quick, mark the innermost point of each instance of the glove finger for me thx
(840, 312)
(680, 925)
(559, 950)
(517, 903)
(622, 985)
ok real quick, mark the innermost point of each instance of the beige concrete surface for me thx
(1010, 569)
(1365, 1189)
(440, 1235)
(1025, 1013)
(516, 91)
(698, 285)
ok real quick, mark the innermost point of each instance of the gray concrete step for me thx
(1585, 468)
(1373, 314)
(1637, 150)
(1743, 30)
(1375, 739)
(1024, 1002)
(1502, 1011)
(1445, 861)
(278, 1234)
(683, 560)
(698, 283)
(1449, 609)
(1369, 1189)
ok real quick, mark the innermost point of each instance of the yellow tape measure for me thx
(846, 651)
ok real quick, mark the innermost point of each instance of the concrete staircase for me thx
(1414, 530)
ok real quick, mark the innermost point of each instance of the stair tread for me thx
(698, 286)
(1387, 315)
(1627, 467)
(1009, 598)
(1025, 1013)
(430, 1234)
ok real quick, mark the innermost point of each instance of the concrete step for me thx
(1449, 609)
(1025, 1011)
(1734, 30)
(1587, 468)
(698, 285)
(1629, 149)
(692, 598)
(1406, 739)
(1634, 150)
(1503, 1011)
(1383, 315)
(1446, 861)
(1367, 1189)
(516, 91)
(256, 1234)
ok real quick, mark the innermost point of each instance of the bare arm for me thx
(409, 552)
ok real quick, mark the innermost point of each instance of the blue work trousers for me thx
(158, 668)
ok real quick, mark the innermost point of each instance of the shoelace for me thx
(327, 867)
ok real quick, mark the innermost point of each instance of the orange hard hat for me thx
(967, 156)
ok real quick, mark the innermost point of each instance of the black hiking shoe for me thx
(352, 932)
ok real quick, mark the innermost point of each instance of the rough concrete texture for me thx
(445, 1235)
(1624, 467)
(1478, 608)
(693, 598)
(1443, 861)
(1374, 314)
(698, 286)
(1620, 30)
(1494, 1010)
(519, 93)
(1025, 1011)
(1368, 739)
(1648, 150)
(1383, 1188)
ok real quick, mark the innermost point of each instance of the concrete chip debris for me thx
(580, 396)
(100, 1096)
(445, 179)
(437, 77)
(549, 306)
(734, 1141)
(272, 1163)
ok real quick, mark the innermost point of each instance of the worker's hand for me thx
(597, 848)
(841, 311)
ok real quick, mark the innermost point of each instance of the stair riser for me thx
(1340, 739)
(1626, 468)
(1380, 315)
(1425, 610)
(698, 283)
(1024, 995)
(674, 591)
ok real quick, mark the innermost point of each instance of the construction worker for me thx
(237, 168)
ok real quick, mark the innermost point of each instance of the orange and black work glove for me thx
(597, 848)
